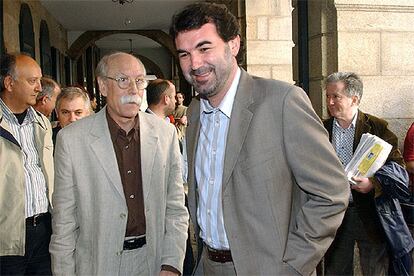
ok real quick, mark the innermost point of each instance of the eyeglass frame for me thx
(117, 80)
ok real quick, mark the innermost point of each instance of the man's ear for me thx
(166, 98)
(102, 86)
(44, 99)
(235, 45)
(355, 100)
(8, 83)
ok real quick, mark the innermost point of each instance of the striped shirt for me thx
(209, 163)
(343, 142)
(35, 183)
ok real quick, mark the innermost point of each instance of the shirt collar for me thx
(166, 118)
(352, 125)
(116, 130)
(9, 116)
(226, 104)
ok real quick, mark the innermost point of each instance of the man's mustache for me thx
(201, 70)
(127, 99)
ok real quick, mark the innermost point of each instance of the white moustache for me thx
(134, 99)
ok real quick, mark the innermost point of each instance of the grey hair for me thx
(353, 83)
(70, 93)
(102, 67)
(48, 88)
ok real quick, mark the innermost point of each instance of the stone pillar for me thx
(322, 42)
(269, 39)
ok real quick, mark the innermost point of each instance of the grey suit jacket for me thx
(284, 191)
(90, 217)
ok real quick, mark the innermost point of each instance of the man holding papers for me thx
(360, 224)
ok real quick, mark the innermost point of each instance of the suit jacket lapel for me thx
(239, 125)
(192, 135)
(101, 145)
(148, 143)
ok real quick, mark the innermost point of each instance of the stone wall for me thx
(11, 15)
(376, 40)
(269, 38)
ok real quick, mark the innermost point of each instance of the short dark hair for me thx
(194, 16)
(8, 68)
(155, 90)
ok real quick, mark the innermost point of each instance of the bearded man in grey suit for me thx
(119, 196)
(266, 190)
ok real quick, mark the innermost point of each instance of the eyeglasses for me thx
(125, 82)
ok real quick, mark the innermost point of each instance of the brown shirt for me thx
(128, 155)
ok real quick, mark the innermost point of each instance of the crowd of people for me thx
(248, 165)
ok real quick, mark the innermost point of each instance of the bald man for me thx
(26, 175)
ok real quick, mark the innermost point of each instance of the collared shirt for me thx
(36, 201)
(167, 119)
(128, 156)
(209, 163)
(343, 142)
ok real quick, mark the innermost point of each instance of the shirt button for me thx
(129, 172)
(126, 147)
(208, 212)
(131, 196)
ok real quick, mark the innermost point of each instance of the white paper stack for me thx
(369, 156)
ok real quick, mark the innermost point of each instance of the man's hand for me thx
(168, 273)
(364, 185)
(183, 120)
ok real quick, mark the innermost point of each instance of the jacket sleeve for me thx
(319, 174)
(176, 214)
(64, 225)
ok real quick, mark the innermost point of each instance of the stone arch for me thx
(88, 38)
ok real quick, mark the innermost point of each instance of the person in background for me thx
(361, 224)
(180, 115)
(408, 209)
(161, 98)
(266, 191)
(46, 99)
(409, 155)
(72, 104)
(26, 174)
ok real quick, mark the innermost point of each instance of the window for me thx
(26, 34)
(45, 50)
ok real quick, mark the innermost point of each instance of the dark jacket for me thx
(365, 203)
(394, 182)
